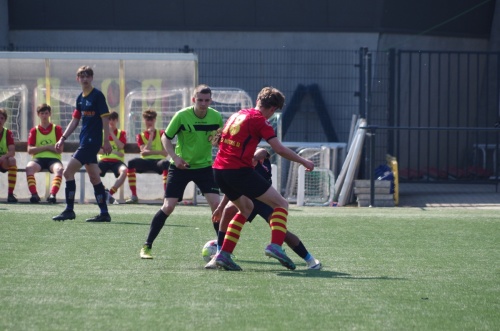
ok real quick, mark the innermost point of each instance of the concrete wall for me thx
(195, 39)
(244, 40)
(4, 23)
(495, 30)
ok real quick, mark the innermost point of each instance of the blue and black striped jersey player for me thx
(226, 210)
(92, 110)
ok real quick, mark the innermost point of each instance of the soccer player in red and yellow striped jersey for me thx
(235, 175)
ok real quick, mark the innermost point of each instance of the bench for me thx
(70, 147)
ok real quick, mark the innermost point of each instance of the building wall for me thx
(436, 17)
(295, 24)
(4, 23)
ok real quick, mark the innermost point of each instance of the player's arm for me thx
(260, 155)
(59, 134)
(169, 147)
(147, 147)
(100, 149)
(106, 145)
(32, 148)
(11, 150)
(69, 130)
(217, 214)
(121, 146)
(288, 154)
(152, 132)
(118, 142)
(161, 151)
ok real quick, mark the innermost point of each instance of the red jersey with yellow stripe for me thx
(242, 133)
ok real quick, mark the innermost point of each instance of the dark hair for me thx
(271, 97)
(3, 112)
(203, 89)
(150, 113)
(43, 107)
(113, 115)
(85, 70)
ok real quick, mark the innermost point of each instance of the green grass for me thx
(384, 269)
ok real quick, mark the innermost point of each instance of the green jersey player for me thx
(194, 127)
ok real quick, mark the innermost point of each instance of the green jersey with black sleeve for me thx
(194, 135)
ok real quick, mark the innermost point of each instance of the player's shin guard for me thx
(31, 183)
(56, 184)
(300, 250)
(278, 225)
(233, 233)
(12, 178)
(100, 197)
(157, 224)
(220, 240)
(70, 194)
(132, 181)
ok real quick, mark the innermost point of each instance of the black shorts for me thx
(148, 165)
(178, 179)
(46, 162)
(261, 209)
(87, 154)
(237, 182)
(114, 167)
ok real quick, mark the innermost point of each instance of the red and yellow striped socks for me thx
(56, 185)
(112, 190)
(31, 183)
(132, 181)
(233, 233)
(278, 225)
(12, 178)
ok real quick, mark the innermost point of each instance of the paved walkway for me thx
(449, 195)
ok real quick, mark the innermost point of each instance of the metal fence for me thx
(438, 114)
(437, 109)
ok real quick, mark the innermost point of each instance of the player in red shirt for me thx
(153, 155)
(41, 145)
(114, 161)
(237, 179)
(7, 156)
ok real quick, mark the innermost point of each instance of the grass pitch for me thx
(384, 269)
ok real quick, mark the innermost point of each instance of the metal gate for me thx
(439, 113)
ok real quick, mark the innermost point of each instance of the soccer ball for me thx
(209, 249)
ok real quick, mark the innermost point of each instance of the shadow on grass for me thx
(330, 274)
(311, 273)
(137, 223)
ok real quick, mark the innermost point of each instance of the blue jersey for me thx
(90, 109)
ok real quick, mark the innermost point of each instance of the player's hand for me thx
(151, 132)
(216, 215)
(309, 165)
(59, 145)
(215, 139)
(106, 147)
(180, 163)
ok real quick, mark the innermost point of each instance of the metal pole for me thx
(368, 166)
(371, 135)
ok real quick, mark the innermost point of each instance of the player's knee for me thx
(58, 171)
(167, 208)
